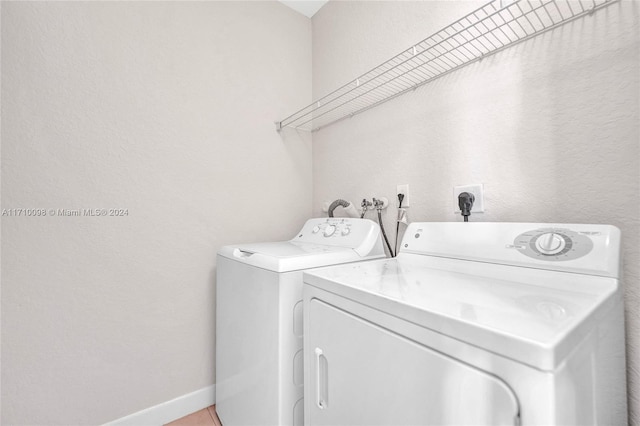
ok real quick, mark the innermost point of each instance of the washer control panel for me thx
(553, 244)
(361, 235)
(333, 229)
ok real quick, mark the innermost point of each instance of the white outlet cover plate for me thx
(478, 192)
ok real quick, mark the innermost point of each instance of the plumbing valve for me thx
(365, 206)
(380, 203)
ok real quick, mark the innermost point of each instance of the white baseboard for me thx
(170, 410)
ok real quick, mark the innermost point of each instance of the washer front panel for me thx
(576, 244)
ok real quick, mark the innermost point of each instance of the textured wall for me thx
(163, 108)
(550, 126)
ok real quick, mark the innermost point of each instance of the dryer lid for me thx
(530, 315)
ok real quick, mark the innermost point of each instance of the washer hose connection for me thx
(365, 206)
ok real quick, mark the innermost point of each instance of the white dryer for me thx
(472, 324)
(259, 361)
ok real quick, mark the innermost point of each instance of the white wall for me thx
(165, 109)
(550, 126)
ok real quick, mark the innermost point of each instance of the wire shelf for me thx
(487, 30)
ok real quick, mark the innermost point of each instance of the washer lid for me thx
(320, 242)
(288, 256)
(530, 315)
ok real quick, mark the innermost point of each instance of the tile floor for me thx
(205, 417)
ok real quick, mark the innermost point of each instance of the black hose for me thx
(384, 234)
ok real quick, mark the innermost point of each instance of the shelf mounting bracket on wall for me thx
(489, 29)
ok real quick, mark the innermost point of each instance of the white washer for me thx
(259, 362)
(472, 323)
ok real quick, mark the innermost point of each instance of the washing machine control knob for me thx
(329, 230)
(550, 243)
(315, 229)
(345, 231)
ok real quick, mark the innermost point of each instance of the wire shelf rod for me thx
(382, 64)
(363, 76)
(440, 56)
(480, 33)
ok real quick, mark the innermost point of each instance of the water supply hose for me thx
(379, 205)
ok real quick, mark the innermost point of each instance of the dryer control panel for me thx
(554, 244)
(591, 249)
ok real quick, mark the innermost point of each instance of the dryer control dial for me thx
(550, 243)
(553, 244)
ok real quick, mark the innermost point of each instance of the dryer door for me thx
(362, 374)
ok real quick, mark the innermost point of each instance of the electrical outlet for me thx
(476, 190)
(403, 189)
